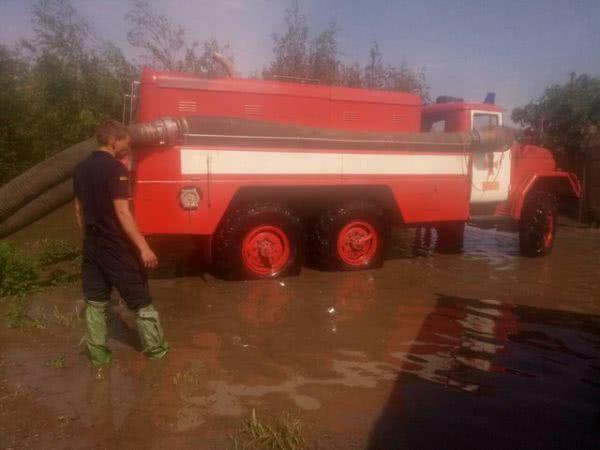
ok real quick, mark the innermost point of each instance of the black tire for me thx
(324, 237)
(240, 224)
(450, 237)
(537, 226)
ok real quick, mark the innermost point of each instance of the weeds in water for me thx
(69, 319)
(21, 274)
(186, 377)
(55, 251)
(18, 274)
(56, 363)
(66, 420)
(20, 391)
(58, 252)
(285, 433)
(16, 314)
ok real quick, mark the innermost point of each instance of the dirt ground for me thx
(484, 349)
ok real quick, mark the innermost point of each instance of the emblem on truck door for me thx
(189, 198)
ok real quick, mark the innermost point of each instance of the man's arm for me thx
(131, 229)
(78, 214)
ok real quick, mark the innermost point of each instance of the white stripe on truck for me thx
(195, 161)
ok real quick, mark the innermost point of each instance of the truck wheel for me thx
(258, 241)
(349, 237)
(451, 236)
(537, 226)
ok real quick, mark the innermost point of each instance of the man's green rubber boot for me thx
(95, 320)
(151, 334)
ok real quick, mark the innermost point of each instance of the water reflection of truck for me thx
(258, 192)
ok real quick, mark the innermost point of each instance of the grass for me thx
(56, 250)
(17, 316)
(186, 377)
(68, 319)
(56, 363)
(284, 433)
(20, 391)
(21, 274)
(18, 272)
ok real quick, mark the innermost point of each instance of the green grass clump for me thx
(56, 363)
(56, 250)
(284, 433)
(18, 272)
(16, 314)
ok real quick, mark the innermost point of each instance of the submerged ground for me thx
(480, 350)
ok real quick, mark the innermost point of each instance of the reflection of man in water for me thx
(115, 254)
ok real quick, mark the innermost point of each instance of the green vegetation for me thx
(68, 319)
(58, 85)
(186, 377)
(51, 263)
(563, 115)
(318, 60)
(56, 363)
(284, 433)
(18, 272)
(17, 316)
(56, 251)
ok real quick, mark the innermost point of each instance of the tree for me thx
(74, 78)
(62, 82)
(298, 57)
(561, 116)
(290, 50)
(13, 112)
(165, 46)
(58, 30)
(351, 75)
(323, 63)
(374, 71)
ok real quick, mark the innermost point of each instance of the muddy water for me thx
(480, 350)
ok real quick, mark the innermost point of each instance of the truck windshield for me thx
(484, 120)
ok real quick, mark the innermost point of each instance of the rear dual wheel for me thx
(349, 237)
(260, 241)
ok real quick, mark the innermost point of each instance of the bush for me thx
(55, 251)
(18, 273)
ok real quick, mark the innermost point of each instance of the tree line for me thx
(563, 117)
(56, 86)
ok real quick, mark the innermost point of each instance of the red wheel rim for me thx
(357, 243)
(549, 229)
(266, 250)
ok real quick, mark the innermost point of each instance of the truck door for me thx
(490, 181)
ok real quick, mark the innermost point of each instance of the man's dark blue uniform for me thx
(109, 257)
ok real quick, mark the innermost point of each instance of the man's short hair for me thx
(109, 130)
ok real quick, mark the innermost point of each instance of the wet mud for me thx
(483, 349)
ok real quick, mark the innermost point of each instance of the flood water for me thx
(481, 350)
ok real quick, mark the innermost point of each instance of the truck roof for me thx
(192, 82)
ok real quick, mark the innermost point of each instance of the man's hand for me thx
(149, 258)
(129, 226)
(79, 214)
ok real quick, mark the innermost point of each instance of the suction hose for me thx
(48, 184)
(243, 132)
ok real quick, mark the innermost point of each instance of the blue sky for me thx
(513, 47)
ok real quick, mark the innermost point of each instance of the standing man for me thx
(115, 254)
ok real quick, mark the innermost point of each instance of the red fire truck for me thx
(267, 173)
